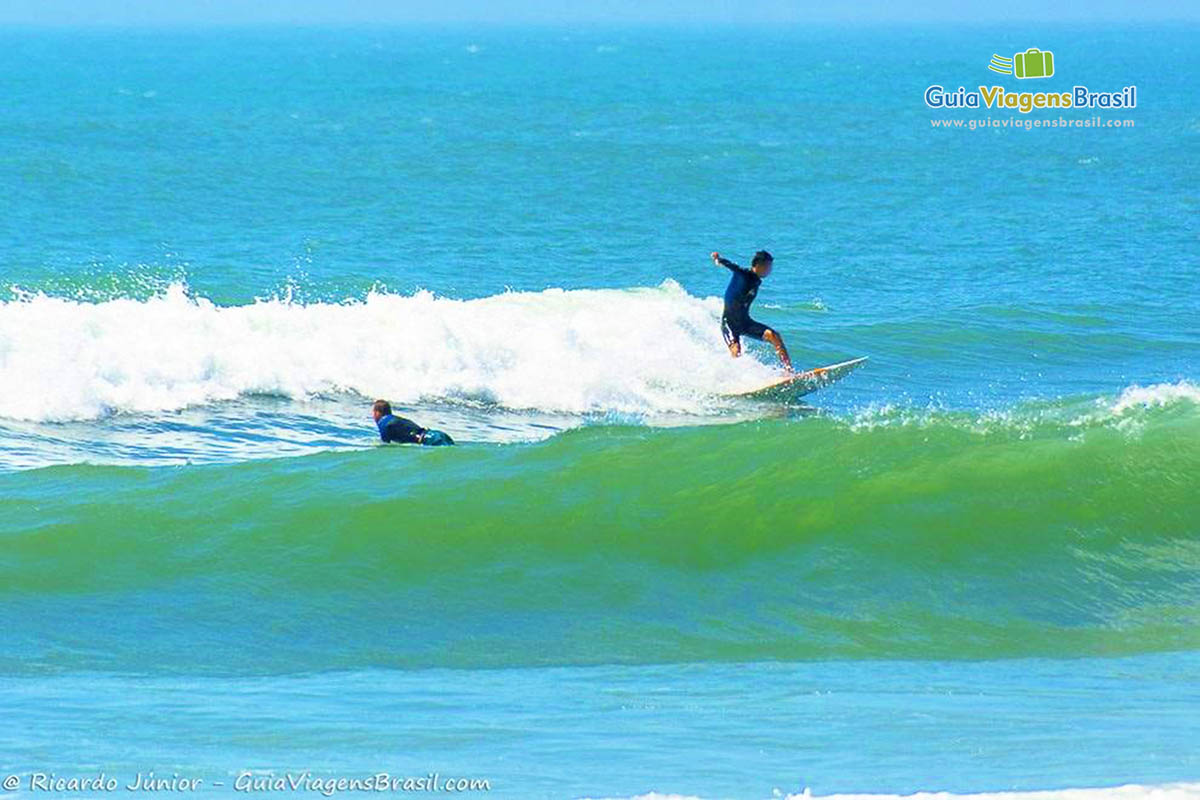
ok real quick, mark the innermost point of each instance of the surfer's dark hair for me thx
(761, 257)
(383, 407)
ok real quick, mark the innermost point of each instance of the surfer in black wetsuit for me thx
(404, 431)
(742, 289)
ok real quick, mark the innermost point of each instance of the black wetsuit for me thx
(405, 431)
(742, 289)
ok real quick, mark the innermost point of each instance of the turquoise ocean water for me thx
(971, 566)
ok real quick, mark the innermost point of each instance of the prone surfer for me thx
(742, 289)
(404, 431)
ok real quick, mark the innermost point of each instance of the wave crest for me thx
(641, 350)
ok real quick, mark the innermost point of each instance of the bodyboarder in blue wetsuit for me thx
(404, 431)
(743, 288)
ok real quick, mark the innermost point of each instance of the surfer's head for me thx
(381, 409)
(761, 264)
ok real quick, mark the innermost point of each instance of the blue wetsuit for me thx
(742, 289)
(405, 431)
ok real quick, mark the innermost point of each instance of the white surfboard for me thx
(802, 383)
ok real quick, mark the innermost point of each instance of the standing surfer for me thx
(742, 289)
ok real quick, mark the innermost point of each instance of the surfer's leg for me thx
(761, 332)
(732, 341)
(434, 438)
(780, 348)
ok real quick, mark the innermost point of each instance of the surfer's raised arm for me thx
(725, 262)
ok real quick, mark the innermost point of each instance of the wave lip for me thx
(1156, 395)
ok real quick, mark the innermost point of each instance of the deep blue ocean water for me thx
(971, 566)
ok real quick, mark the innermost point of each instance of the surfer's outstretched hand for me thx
(716, 257)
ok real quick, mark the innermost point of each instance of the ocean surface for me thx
(971, 566)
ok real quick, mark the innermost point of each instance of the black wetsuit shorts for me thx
(734, 327)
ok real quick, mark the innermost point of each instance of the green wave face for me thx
(938, 537)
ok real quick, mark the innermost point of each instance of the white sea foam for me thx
(1172, 791)
(635, 351)
(1120, 412)
(1156, 395)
